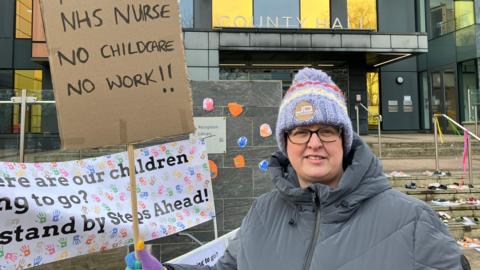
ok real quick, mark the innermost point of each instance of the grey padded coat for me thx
(362, 224)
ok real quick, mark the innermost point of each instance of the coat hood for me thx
(362, 179)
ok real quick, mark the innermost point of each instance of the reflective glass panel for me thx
(23, 25)
(468, 90)
(464, 15)
(186, 12)
(373, 93)
(315, 13)
(276, 13)
(362, 14)
(31, 80)
(238, 13)
(441, 17)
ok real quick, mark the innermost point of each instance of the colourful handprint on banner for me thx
(25, 249)
(42, 217)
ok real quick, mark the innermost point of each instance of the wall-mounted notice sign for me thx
(393, 106)
(214, 129)
(407, 104)
(118, 71)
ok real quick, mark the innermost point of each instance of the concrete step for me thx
(455, 211)
(428, 195)
(421, 144)
(413, 151)
(458, 230)
(425, 181)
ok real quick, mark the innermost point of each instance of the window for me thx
(23, 26)
(373, 98)
(441, 17)
(362, 14)
(186, 12)
(236, 13)
(31, 80)
(464, 15)
(276, 13)
(315, 13)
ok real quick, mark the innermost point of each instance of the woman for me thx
(333, 207)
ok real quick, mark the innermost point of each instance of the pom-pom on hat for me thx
(313, 98)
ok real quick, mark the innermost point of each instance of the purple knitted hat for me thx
(313, 98)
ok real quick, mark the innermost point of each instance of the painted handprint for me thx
(63, 242)
(25, 249)
(109, 196)
(123, 233)
(143, 195)
(21, 264)
(114, 188)
(42, 217)
(56, 216)
(114, 233)
(50, 249)
(55, 171)
(180, 149)
(90, 239)
(63, 255)
(123, 196)
(190, 170)
(91, 169)
(64, 172)
(2, 252)
(37, 261)
(76, 240)
(11, 257)
(106, 207)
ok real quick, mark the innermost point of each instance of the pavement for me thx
(473, 257)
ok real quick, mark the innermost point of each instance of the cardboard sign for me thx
(53, 211)
(118, 71)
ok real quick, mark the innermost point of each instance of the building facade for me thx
(404, 60)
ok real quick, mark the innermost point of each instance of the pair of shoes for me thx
(441, 202)
(472, 201)
(440, 173)
(436, 186)
(412, 185)
(444, 216)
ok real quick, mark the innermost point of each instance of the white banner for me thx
(53, 211)
(208, 254)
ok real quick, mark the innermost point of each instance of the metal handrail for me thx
(380, 119)
(469, 153)
(23, 100)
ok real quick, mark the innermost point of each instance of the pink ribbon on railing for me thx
(465, 151)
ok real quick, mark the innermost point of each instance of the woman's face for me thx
(319, 159)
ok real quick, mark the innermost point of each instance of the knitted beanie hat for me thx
(313, 98)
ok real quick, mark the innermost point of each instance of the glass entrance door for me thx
(445, 95)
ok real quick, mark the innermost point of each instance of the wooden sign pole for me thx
(133, 194)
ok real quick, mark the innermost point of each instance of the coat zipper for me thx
(316, 232)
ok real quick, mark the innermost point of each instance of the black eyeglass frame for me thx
(339, 129)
